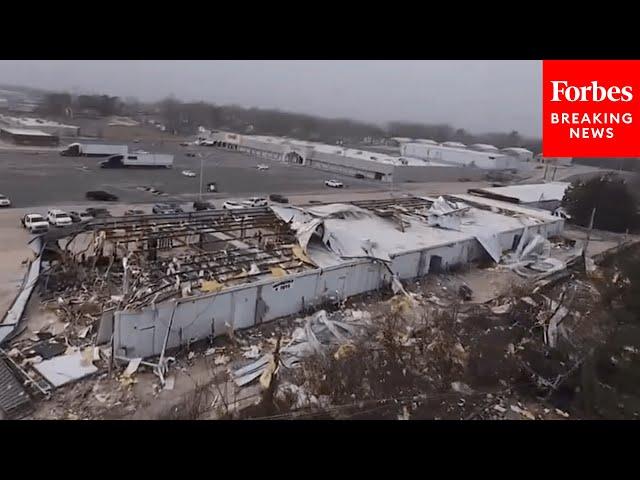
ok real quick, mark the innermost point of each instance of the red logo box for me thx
(591, 108)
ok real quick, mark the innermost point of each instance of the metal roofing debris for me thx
(14, 400)
(65, 368)
(385, 228)
(14, 314)
(316, 334)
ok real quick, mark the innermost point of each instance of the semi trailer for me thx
(138, 160)
(93, 150)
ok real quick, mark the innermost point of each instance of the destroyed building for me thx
(152, 283)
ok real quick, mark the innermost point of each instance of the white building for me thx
(347, 250)
(555, 161)
(47, 126)
(539, 195)
(483, 147)
(522, 153)
(460, 156)
(340, 160)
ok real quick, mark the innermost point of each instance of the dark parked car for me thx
(202, 205)
(359, 175)
(101, 196)
(167, 208)
(98, 212)
(275, 197)
(190, 154)
(77, 217)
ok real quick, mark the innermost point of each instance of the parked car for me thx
(35, 223)
(359, 175)
(4, 201)
(58, 218)
(79, 217)
(256, 202)
(200, 205)
(190, 154)
(229, 205)
(101, 196)
(188, 173)
(333, 184)
(134, 212)
(262, 166)
(98, 212)
(166, 208)
(275, 197)
(184, 144)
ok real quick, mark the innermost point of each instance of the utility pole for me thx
(201, 179)
(593, 214)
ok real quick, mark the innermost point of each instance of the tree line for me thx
(185, 117)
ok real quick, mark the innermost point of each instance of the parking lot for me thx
(46, 178)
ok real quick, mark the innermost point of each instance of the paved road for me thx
(42, 178)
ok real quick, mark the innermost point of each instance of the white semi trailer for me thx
(93, 150)
(138, 160)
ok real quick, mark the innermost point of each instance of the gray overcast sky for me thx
(480, 96)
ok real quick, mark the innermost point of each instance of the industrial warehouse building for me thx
(340, 160)
(486, 157)
(20, 136)
(191, 277)
(46, 126)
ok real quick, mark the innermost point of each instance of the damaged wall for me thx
(141, 333)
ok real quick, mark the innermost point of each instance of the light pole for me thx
(201, 179)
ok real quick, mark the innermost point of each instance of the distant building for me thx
(28, 137)
(522, 153)
(337, 159)
(483, 147)
(448, 153)
(47, 126)
(547, 196)
(555, 161)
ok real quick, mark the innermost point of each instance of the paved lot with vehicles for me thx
(32, 178)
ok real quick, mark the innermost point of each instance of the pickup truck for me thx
(58, 218)
(35, 223)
